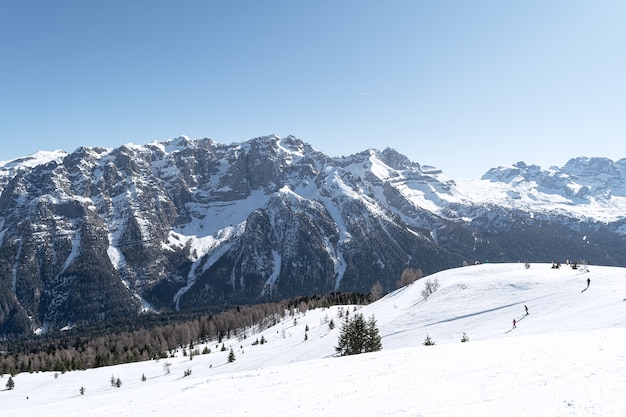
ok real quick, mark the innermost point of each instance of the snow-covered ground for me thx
(566, 358)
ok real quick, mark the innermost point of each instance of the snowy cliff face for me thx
(105, 233)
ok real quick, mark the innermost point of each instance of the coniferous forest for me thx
(150, 336)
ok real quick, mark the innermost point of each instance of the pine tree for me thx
(373, 342)
(343, 343)
(231, 356)
(10, 383)
(428, 341)
(359, 333)
(358, 336)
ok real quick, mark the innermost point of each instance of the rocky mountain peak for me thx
(590, 168)
(517, 172)
(395, 160)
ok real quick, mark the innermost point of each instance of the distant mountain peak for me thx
(581, 178)
(584, 166)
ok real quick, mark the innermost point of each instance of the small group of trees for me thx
(409, 276)
(430, 287)
(116, 382)
(261, 341)
(358, 335)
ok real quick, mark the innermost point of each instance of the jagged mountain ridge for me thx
(182, 224)
(581, 178)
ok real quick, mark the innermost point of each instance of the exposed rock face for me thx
(182, 224)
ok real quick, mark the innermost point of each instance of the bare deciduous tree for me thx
(430, 287)
(377, 291)
(409, 276)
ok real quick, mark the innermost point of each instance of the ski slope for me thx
(566, 358)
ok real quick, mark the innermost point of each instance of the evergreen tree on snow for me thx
(374, 342)
(358, 336)
(428, 341)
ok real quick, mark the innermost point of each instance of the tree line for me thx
(152, 336)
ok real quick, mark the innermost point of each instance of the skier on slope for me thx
(514, 324)
(526, 309)
(588, 282)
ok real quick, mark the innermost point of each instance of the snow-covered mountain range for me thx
(565, 358)
(184, 224)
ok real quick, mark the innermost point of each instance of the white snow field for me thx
(566, 358)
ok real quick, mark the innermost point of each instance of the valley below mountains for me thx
(190, 224)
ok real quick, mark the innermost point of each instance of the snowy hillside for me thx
(566, 358)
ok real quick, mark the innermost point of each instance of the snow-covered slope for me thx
(564, 359)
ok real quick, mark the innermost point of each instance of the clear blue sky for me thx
(461, 85)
